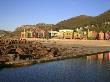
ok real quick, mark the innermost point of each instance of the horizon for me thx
(15, 13)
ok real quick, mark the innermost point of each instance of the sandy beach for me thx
(71, 42)
(56, 49)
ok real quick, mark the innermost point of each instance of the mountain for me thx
(75, 22)
(32, 27)
(84, 20)
(104, 17)
(39, 26)
(3, 32)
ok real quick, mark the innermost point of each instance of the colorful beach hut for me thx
(77, 35)
(67, 33)
(101, 36)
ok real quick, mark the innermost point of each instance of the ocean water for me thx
(95, 68)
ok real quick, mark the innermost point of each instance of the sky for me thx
(14, 13)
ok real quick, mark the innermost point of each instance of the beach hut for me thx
(77, 35)
(90, 34)
(83, 35)
(53, 34)
(35, 34)
(67, 33)
(29, 34)
(107, 36)
(26, 34)
(94, 34)
(38, 33)
(42, 34)
(22, 35)
(101, 36)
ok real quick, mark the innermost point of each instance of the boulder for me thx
(55, 51)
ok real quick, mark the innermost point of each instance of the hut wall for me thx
(76, 35)
(35, 35)
(68, 35)
(22, 35)
(107, 36)
(26, 34)
(101, 36)
(90, 34)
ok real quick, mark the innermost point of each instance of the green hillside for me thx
(97, 23)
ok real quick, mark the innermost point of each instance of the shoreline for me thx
(68, 49)
(45, 60)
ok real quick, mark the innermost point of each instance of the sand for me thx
(71, 42)
(77, 47)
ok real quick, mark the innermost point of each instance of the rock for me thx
(50, 55)
(4, 58)
(55, 51)
(19, 50)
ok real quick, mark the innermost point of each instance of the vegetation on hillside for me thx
(97, 23)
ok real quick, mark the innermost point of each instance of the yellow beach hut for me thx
(67, 33)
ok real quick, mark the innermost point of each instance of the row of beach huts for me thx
(65, 34)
